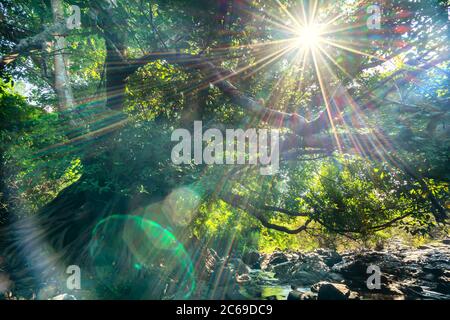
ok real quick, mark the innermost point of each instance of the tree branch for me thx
(34, 42)
(219, 77)
(237, 202)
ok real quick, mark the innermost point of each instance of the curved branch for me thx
(237, 202)
(285, 211)
(34, 42)
(219, 77)
(276, 227)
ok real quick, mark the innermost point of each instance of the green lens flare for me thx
(136, 258)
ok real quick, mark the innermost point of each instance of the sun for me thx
(309, 36)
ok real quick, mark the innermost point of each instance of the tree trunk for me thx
(62, 84)
(115, 72)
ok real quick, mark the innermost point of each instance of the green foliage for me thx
(345, 195)
(34, 179)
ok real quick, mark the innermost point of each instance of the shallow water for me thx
(280, 292)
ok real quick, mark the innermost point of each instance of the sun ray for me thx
(252, 46)
(281, 81)
(334, 62)
(341, 93)
(302, 73)
(313, 14)
(299, 24)
(326, 101)
(280, 54)
(270, 57)
(275, 21)
(337, 45)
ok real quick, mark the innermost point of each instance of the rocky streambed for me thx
(404, 273)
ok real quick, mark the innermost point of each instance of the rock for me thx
(446, 241)
(379, 246)
(389, 288)
(351, 268)
(64, 296)
(282, 270)
(212, 261)
(329, 257)
(313, 262)
(443, 285)
(252, 259)
(294, 295)
(245, 278)
(47, 292)
(409, 290)
(297, 295)
(354, 295)
(354, 267)
(335, 277)
(5, 283)
(305, 278)
(331, 291)
(436, 269)
(277, 258)
(428, 277)
(309, 269)
(406, 273)
(238, 266)
(308, 296)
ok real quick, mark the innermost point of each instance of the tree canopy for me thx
(88, 107)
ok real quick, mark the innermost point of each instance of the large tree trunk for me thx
(62, 83)
(115, 72)
(44, 244)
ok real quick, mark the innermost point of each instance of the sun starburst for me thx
(310, 36)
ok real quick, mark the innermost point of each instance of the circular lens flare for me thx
(137, 258)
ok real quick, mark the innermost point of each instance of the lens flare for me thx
(136, 258)
(309, 36)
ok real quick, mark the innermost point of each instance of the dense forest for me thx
(353, 93)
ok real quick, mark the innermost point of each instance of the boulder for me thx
(277, 258)
(443, 285)
(309, 269)
(64, 296)
(329, 257)
(282, 270)
(47, 292)
(294, 295)
(239, 266)
(354, 267)
(308, 296)
(5, 283)
(305, 278)
(212, 261)
(297, 295)
(331, 291)
(252, 259)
